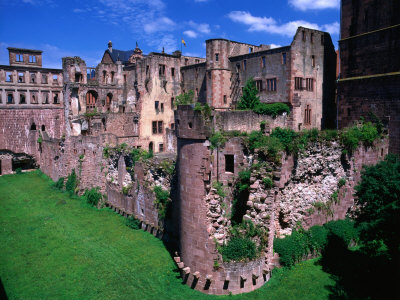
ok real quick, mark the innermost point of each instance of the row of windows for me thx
(151, 147)
(270, 85)
(33, 100)
(20, 58)
(312, 38)
(306, 84)
(263, 62)
(32, 78)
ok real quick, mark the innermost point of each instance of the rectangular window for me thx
(161, 70)
(312, 37)
(197, 92)
(250, 49)
(10, 99)
(322, 39)
(216, 56)
(44, 78)
(33, 78)
(259, 85)
(172, 102)
(124, 78)
(19, 57)
(310, 84)
(21, 77)
(186, 61)
(172, 126)
(162, 107)
(307, 115)
(245, 65)
(55, 79)
(160, 127)
(32, 58)
(237, 68)
(173, 72)
(147, 70)
(161, 148)
(224, 99)
(229, 163)
(22, 99)
(34, 99)
(154, 126)
(298, 83)
(304, 35)
(313, 61)
(45, 99)
(271, 85)
(156, 105)
(284, 58)
(9, 77)
(263, 62)
(56, 99)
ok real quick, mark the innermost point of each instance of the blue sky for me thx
(84, 27)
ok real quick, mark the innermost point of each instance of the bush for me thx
(366, 133)
(162, 201)
(271, 109)
(92, 196)
(59, 184)
(220, 189)
(318, 237)
(132, 222)
(71, 183)
(292, 248)
(249, 99)
(18, 171)
(341, 182)
(344, 229)
(268, 183)
(286, 137)
(238, 249)
(184, 99)
(217, 140)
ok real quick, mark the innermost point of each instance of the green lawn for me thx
(54, 247)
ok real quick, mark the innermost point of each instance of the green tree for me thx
(378, 201)
(249, 99)
(185, 98)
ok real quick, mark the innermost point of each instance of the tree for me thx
(249, 99)
(378, 200)
(185, 98)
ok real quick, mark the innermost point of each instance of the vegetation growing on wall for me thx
(352, 137)
(72, 183)
(93, 196)
(184, 99)
(132, 222)
(162, 201)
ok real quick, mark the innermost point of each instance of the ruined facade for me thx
(370, 64)
(31, 105)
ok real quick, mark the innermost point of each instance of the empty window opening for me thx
(44, 78)
(190, 125)
(245, 64)
(313, 61)
(225, 99)
(284, 58)
(309, 84)
(237, 68)
(147, 69)
(250, 49)
(43, 128)
(55, 99)
(322, 40)
(216, 56)
(161, 148)
(271, 85)
(172, 126)
(104, 77)
(46, 99)
(34, 99)
(32, 58)
(33, 78)
(263, 61)
(10, 99)
(109, 99)
(304, 35)
(161, 70)
(19, 57)
(259, 85)
(156, 105)
(91, 73)
(9, 77)
(312, 37)
(21, 77)
(162, 107)
(298, 83)
(112, 77)
(186, 61)
(172, 72)
(348, 111)
(78, 77)
(307, 115)
(172, 102)
(124, 78)
(197, 92)
(229, 163)
(91, 98)
(33, 126)
(151, 147)
(22, 99)
(55, 79)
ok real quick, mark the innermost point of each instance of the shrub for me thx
(318, 237)
(271, 109)
(59, 184)
(366, 133)
(220, 189)
(249, 99)
(238, 249)
(18, 171)
(292, 248)
(161, 201)
(286, 137)
(341, 182)
(184, 99)
(132, 222)
(92, 196)
(268, 183)
(71, 183)
(344, 229)
(217, 140)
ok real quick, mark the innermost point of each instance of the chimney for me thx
(110, 46)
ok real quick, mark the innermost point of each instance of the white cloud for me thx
(161, 24)
(314, 4)
(270, 25)
(274, 46)
(333, 28)
(190, 33)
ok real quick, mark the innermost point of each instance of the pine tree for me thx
(249, 99)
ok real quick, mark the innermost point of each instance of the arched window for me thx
(109, 99)
(33, 126)
(104, 77)
(43, 128)
(34, 99)
(151, 147)
(91, 98)
(22, 99)
(33, 78)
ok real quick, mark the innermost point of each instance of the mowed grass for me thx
(54, 247)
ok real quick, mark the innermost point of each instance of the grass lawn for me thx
(54, 247)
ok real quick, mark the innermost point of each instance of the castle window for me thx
(186, 61)
(173, 72)
(9, 77)
(216, 56)
(22, 99)
(78, 77)
(284, 58)
(162, 107)
(250, 49)
(298, 83)
(313, 61)
(91, 98)
(172, 102)
(34, 99)
(263, 62)
(33, 126)
(304, 35)
(44, 78)
(154, 126)
(43, 128)
(161, 70)
(157, 127)
(21, 77)
(322, 39)
(156, 105)
(229, 163)
(172, 126)
(307, 115)
(160, 127)
(237, 68)
(55, 79)
(33, 78)
(259, 85)
(46, 98)
(124, 78)
(224, 99)
(161, 148)
(112, 77)
(309, 84)
(19, 57)
(109, 99)
(55, 99)
(32, 58)
(147, 69)
(245, 64)
(271, 85)
(10, 99)
(104, 77)
(312, 37)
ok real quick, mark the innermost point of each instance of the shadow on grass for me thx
(3, 294)
(359, 275)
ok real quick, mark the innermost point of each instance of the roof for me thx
(120, 55)
(24, 50)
